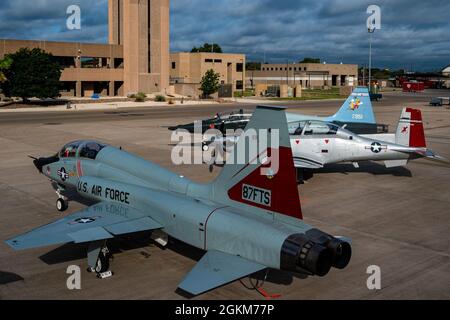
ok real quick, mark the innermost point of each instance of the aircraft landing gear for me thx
(62, 205)
(99, 259)
(300, 176)
(303, 175)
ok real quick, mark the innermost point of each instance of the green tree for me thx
(250, 66)
(5, 64)
(210, 83)
(208, 48)
(310, 60)
(32, 73)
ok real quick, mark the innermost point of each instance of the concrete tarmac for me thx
(399, 219)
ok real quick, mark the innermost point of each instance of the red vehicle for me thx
(413, 86)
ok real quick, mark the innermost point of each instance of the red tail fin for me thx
(277, 193)
(410, 131)
(417, 135)
(252, 185)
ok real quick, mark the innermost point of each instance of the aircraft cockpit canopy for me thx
(81, 149)
(235, 115)
(309, 128)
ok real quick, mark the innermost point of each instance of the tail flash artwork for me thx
(259, 184)
(357, 108)
(410, 130)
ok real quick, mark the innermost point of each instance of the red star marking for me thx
(297, 141)
(404, 129)
(327, 141)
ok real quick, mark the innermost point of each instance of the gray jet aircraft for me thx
(245, 221)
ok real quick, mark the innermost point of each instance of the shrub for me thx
(171, 101)
(140, 97)
(160, 98)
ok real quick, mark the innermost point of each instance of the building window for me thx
(239, 85)
(209, 60)
(174, 65)
(239, 67)
(290, 68)
(218, 60)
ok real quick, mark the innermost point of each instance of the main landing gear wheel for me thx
(102, 264)
(61, 205)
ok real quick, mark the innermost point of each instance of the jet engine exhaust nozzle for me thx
(341, 251)
(300, 254)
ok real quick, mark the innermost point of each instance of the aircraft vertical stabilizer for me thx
(357, 108)
(271, 187)
(410, 131)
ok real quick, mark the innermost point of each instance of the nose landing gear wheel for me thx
(61, 205)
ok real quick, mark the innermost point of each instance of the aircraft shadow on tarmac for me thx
(71, 252)
(142, 240)
(371, 167)
(8, 277)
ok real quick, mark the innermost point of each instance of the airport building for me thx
(187, 70)
(307, 75)
(136, 58)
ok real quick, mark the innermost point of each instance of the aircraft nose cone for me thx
(188, 127)
(42, 162)
(38, 164)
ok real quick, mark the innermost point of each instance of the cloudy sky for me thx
(415, 34)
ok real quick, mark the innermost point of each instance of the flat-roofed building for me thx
(308, 75)
(136, 58)
(187, 70)
(87, 68)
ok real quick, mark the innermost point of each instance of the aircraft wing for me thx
(98, 222)
(216, 269)
(308, 163)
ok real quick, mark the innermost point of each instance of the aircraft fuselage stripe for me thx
(308, 160)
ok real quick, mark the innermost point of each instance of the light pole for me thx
(371, 32)
(364, 74)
